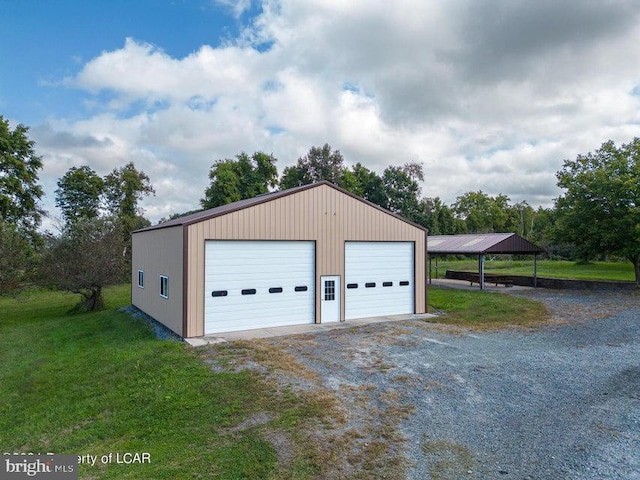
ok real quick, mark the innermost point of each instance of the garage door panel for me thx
(233, 266)
(383, 302)
(379, 262)
(261, 264)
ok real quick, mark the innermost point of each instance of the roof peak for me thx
(262, 198)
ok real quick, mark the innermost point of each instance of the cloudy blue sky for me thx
(488, 95)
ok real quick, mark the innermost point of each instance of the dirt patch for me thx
(258, 418)
(283, 446)
(352, 430)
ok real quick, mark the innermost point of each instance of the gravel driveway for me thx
(558, 402)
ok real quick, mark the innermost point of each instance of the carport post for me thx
(535, 270)
(429, 269)
(481, 270)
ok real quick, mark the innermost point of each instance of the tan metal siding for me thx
(323, 214)
(159, 252)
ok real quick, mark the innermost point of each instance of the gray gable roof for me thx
(480, 243)
(265, 197)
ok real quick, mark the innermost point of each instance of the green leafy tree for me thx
(485, 214)
(79, 194)
(87, 257)
(244, 177)
(544, 233)
(224, 187)
(520, 219)
(321, 163)
(366, 184)
(19, 168)
(402, 190)
(600, 210)
(439, 217)
(258, 173)
(16, 258)
(124, 188)
(542, 224)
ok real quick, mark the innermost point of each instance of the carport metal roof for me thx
(480, 244)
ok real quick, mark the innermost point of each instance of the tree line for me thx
(397, 189)
(598, 215)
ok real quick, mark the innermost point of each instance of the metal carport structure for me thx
(481, 244)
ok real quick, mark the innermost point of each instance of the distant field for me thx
(546, 268)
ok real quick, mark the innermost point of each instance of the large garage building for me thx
(311, 254)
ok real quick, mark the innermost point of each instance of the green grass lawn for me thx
(484, 310)
(101, 382)
(546, 268)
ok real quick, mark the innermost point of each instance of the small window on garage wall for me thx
(140, 278)
(164, 286)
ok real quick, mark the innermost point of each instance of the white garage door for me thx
(258, 284)
(378, 279)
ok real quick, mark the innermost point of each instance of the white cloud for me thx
(237, 6)
(488, 95)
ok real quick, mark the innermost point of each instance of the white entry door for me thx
(330, 299)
